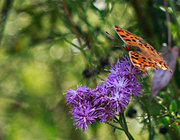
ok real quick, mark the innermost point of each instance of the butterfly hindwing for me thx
(141, 61)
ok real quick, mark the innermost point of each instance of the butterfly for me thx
(142, 54)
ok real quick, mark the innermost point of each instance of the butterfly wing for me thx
(146, 54)
(128, 37)
(135, 40)
(141, 62)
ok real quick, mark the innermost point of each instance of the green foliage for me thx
(46, 45)
(173, 107)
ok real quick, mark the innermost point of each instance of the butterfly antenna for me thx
(110, 35)
(169, 69)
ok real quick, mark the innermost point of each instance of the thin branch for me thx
(168, 23)
(66, 9)
(116, 118)
(174, 15)
(123, 123)
(76, 47)
(3, 16)
(114, 126)
(151, 135)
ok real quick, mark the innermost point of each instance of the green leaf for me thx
(173, 107)
(114, 130)
(178, 115)
(165, 120)
(175, 124)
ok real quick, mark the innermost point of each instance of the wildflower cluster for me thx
(110, 96)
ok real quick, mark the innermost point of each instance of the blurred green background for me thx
(49, 46)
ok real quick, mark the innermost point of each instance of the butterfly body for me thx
(142, 54)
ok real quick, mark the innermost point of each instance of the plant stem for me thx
(66, 9)
(114, 126)
(3, 16)
(84, 53)
(168, 23)
(150, 128)
(122, 122)
(174, 15)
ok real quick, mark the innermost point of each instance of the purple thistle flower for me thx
(77, 95)
(124, 67)
(83, 110)
(110, 96)
(83, 115)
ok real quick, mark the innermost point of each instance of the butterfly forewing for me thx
(128, 37)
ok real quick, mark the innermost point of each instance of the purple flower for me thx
(124, 67)
(83, 110)
(83, 115)
(120, 85)
(77, 95)
(108, 98)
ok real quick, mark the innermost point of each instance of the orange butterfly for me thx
(142, 54)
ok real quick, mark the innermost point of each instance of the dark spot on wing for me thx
(140, 44)
(140, 41)
(152, 49)
(151, 63)
(134, 62)
(118, 30)
(123, 36)
(134, 40)
(136, 37)
(127, 39)
(146, 46)
(143, 58)
(134, 57)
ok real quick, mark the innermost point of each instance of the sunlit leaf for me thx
(165, 120)
(173, 106)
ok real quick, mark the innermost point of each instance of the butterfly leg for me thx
(145, 70)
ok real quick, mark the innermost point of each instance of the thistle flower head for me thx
(110, 96)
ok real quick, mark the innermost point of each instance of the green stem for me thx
(122, 122)
(116, 119)
(82, 50)
(3, 16)
(76, 47)
(114, 126)
(174, 15)
(150, 128)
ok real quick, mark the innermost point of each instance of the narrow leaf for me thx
(173, 107)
